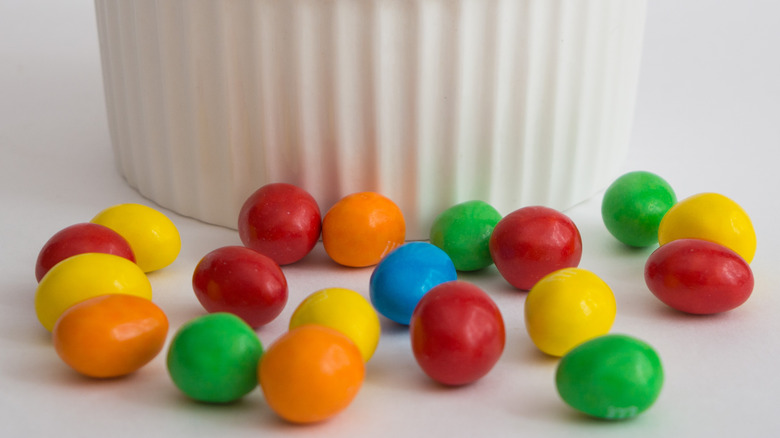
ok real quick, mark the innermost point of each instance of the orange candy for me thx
(110, 335)
(311, 373)
(362, 228)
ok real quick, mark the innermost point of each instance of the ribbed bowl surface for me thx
(429, 102)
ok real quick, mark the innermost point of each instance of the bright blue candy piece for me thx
(405, 275)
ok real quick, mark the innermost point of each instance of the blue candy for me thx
(401, 279)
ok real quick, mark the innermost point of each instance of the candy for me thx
(457, 333)
(612, 377)
(463, 232)
(152, 236)
(532, 242)
(713, 217)
(362, 228)
(214, 358)
(698, 276)
(84, 276)
(566, 308)
(281, 221)
(241, 281)
(311, 373)
(79, 239)
(110, 335)
(344, 310)
(405, 275)
(633, 206)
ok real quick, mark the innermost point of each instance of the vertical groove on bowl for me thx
(430, 102)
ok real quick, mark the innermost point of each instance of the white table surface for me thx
(708, 119)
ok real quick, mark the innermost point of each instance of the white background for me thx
(708, 119)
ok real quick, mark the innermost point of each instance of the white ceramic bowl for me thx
(429, 102)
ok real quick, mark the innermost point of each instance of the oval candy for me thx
(697, 276)
(612, 377)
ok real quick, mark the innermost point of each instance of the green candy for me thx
(463, 232)
(214, 358)
(633, 206)
(612, 377)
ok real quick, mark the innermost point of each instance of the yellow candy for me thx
(343, 310)
(84, 276)
(712, 217)
(152, 236)
(566, 308)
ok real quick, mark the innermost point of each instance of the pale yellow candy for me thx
(153, 236)
(84, 276)
(343, 310)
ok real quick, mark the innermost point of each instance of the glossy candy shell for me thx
(698, 276)
(362, 228)
(110, 335)
(405, 275)
(344, 310)
(457, 333)
(568, 307)
(213, 358)
(612, 377)
(532, 242)
(84, 276)
(154, 238)
(241, 281)
(311, 373)
(633, 206)
(713, 217)
(79, 239)
(281, 221)
(463, 232)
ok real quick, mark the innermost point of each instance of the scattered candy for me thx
(713, 217)
(698, 276)
(110, 335)
(214, 358)
(457, 333)
(405, 275)
(85, 276)
(281, 221)
(311, 373)
(633, 206)
(344, 310)
(97, 301)
(463, 232)
(612, 377)
(360, 229)
(79, 239)
(566, 308)
(241, 281)
(532, 242)
(152, 236)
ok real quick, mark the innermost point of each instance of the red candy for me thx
(281, 221)
(457, 333)
(79, 239)
(532, 242)
(698, 276)
(241, 281)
